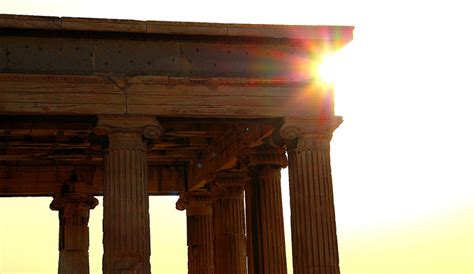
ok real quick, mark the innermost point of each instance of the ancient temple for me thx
(209, 112)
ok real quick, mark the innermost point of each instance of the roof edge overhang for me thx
(339, 35)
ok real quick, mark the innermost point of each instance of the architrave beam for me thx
(16, 181)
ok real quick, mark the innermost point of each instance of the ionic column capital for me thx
(145, 125)
(196, 203)
(308, 133)
(79, 199)
(297, 127)
(264, 155)
(73, 231)
(182, 202)
(228, 184)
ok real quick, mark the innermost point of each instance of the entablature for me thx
(216, 91)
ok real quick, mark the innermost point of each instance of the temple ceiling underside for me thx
(42, 154)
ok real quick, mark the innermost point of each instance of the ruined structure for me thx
(128, 109)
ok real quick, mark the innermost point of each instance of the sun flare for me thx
(327, 69)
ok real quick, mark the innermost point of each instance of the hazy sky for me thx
(403, 160)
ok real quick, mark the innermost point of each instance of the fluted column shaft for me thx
(200, 231)
(268, 237)
(313, 220)
(126, 218)
(229, 225)
(313, 223)
(126, 223)
(248, 227)
(73, 231)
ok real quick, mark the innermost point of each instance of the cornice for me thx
(154, 79)
(329, 34)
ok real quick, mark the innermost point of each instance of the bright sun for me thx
(327, 69)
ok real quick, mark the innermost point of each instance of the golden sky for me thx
(403, 160)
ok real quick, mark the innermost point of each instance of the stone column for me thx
(248, 227)
(229, 223)
(73, 231)
(265, 212)
(313, 221)
(198, 205)
(126, 219)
